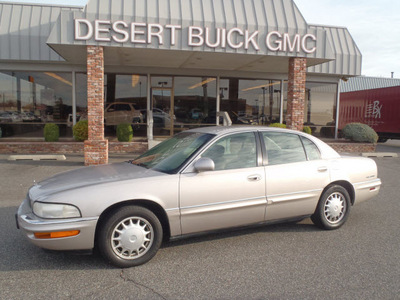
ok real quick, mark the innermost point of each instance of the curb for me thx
(379, 154)
(36, 157)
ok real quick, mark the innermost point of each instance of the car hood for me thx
(87, 176)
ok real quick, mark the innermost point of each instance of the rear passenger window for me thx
(283, 148)
(311, 150)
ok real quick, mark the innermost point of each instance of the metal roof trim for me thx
(42, 4)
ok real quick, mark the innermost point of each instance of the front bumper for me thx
(30, 223)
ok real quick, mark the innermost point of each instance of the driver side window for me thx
(235, 151)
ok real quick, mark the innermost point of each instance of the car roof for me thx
(326, 150)
(222, 130)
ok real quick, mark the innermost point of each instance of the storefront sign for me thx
(235, 38)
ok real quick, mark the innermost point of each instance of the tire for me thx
(131, 236)
(333, 208)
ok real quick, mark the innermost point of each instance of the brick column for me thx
(296, 93)
(96, 147)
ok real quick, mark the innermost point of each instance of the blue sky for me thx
(374, 25)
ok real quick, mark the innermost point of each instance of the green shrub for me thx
(279, 125)
(80, 131)
(124, 132)
(307, 129)
(358, 132)
(51, 132)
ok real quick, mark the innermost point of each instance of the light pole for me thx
(263, 107)
(258, 111)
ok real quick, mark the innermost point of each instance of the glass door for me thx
(163, 117)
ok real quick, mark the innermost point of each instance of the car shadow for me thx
(293, 226)
(18, 254)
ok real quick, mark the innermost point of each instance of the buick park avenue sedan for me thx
(197, 181)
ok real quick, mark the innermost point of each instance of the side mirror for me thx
(204, 164)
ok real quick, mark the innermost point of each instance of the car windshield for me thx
(170, 155)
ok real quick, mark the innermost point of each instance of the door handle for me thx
(254, 178)
(322, 169)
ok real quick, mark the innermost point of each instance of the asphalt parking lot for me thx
(285, 261)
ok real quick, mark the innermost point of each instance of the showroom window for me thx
(195, 102)
(320, 108)
(125, 98)
(251, 102)
(29, 100)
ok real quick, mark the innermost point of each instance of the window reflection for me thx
(320, 108)
(283, 148)
(251, 102)
(236, 151)
(28, 100)
(195, 102)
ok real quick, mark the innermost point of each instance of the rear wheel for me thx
(130, 237)
(333, 208)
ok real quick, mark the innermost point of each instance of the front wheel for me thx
(130, 237)
(333, 208)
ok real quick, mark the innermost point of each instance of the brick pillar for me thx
(296, 93)
(96, 147)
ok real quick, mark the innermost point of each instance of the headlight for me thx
(55, 211)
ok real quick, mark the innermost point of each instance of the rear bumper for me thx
(366, 190)
(30, 223)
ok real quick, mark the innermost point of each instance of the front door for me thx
(161, 103)
(231, 195)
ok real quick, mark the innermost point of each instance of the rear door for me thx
(295, 175)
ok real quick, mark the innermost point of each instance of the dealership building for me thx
(166, 66)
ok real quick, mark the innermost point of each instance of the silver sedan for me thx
(199, 180)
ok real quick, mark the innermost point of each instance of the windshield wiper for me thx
(137, 164)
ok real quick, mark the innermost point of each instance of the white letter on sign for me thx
(277, 42)
(98, 30)
(251, 39)
(288, 44)
(304, 43)
(173, 30)
(78, 32)
(121, 31)
(198, 36)
(217, 38)
(135, 32)
(229, 38)
(157, 33)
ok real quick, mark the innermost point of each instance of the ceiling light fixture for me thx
(261, 86)
(201, 83)
(58, 77)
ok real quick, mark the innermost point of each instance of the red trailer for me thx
(378, 108)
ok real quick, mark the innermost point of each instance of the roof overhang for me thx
(247, 38)
(181, 59)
